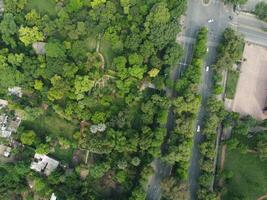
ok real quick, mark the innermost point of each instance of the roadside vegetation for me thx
(231, 83)
(185, 107)
(229, 51)
(71, 102)
(246, 147)
(261, 11)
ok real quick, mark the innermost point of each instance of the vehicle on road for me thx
(210, 20)
(198, 128)
(207, 49)
(207, 68)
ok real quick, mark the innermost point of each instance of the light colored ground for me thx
(251, 89)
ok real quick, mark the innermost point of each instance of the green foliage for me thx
(73, 88)
(98, 170)
(30, 35)
(261, 10)
(235, 2)
(8, 28)
(231, 83)
(54, 50)
(247, 182)
(28, 137)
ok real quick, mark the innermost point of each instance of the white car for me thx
(198, 128)
(207, 49)
(207, 68)
(210, 20)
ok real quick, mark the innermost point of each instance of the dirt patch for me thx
(251, 89)
(263, 197)
(223, 157)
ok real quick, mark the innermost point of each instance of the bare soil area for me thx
(251, 89)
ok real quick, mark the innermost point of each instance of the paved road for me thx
(198, 16)
(251, 28)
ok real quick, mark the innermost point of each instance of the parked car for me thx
(210, 20)
(207, 68)
(198, 128)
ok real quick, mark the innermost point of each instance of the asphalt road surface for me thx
(198, 16)
(251, 28)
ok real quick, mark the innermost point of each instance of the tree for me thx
(74, 5)
(135, 161)
(261, 10)
(8, 28)
(173, 190)
(30, 35)
(54, 49)
(99, 169)
(28, 137)
(38, 85)
(158, 15)
(95, 3)
(236, 2)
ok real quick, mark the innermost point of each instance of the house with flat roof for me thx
(44, 164)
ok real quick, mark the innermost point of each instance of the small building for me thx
(44, 164)
(5, 151)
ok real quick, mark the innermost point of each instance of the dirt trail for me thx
(224, 147)
(263, 197)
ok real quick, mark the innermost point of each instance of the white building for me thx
(44, 164)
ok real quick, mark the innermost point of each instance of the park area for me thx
(249, 176)
(251, 91)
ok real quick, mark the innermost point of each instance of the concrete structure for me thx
(44, 164)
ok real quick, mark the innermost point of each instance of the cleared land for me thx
(251, 89)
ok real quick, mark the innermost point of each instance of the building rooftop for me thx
(44, 164)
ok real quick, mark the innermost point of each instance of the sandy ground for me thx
(251, 90)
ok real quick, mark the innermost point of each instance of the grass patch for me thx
(63, 154)
(250, 176)
(107, 52)
(42, 6)
(51, 124)
(91, 43)
(231, 83)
